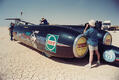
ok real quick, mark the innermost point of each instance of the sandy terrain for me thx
(19, 62)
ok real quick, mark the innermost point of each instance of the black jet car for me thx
(53, 40)
(65, 41)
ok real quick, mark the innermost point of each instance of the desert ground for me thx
(20, 62)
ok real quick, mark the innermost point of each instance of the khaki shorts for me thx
(92, 47)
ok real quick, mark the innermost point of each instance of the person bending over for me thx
(93, 37)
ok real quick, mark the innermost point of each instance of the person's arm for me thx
(86, 33)
(40, 21)
(87, 25)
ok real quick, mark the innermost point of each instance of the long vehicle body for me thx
(64, 41)
(53, 40)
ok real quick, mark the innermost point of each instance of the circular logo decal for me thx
(51, 41)
(81, 47)
(108, 39)
(109, 56)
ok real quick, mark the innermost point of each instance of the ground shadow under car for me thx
(73, 61)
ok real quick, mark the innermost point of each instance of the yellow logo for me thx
(108, 40)
(81, 46)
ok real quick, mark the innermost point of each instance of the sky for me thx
(61, 12)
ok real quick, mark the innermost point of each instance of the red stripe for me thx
(117, 59)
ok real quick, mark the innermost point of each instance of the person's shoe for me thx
(98, 62)
(88, 66)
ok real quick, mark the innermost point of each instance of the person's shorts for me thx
(92, 47)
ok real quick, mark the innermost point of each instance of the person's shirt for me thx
(45, 22)
(93, 36)
(11, 27)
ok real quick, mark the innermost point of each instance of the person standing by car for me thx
(44, 22)
(92, 36)
(11, 31)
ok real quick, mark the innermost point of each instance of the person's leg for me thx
(98, 55)
(11, 35)
(91, 52)
(91, 57)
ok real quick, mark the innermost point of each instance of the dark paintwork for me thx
(80, 28)
(35, 36)
(64, 33)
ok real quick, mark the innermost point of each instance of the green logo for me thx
(51, 41)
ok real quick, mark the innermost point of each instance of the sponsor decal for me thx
(108, 40)
(81, 46)
(51, 42)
